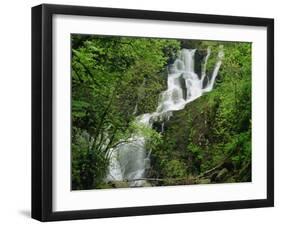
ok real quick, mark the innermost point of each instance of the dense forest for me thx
(117, 79)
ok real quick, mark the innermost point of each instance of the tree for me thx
(109, 87)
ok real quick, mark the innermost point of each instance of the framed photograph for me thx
(146, 112)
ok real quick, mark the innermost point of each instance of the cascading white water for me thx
(130, 160)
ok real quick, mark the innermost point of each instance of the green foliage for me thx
(214, 130)
(174, 169)
(151, 136)
(88, 165)
(113, 80)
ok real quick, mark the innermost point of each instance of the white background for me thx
(15, 112)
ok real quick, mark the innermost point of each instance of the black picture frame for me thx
(42, 105)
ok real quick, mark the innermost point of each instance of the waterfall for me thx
(130, 159)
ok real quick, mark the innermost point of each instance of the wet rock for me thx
(183, 86)
(159, 126)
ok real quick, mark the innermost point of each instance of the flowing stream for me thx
(130, 160)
